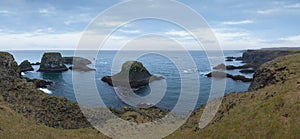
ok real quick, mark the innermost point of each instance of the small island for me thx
(52, 62)
(133, 73)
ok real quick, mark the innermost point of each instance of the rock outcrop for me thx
(9, 69)
(25, 66)
(23, 97)
(276, 71)
(76, 60)
(220, 74)
(78, 63)
(259, 57)
(133, 73)
(52, 62)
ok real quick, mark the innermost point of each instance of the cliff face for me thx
(259, 57)
(277, 71)
(24, 98)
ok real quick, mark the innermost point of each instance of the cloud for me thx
(129, 31)
(6, 12)
(296, 5)
(238, 22)
(267, 12)
(177, 33)
(294, 39)
(50, 10)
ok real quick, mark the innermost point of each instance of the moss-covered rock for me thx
(52, 62)
(132, 73)
(25, 66)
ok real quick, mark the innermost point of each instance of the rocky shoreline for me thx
(21, 95)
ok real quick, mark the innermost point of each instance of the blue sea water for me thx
(156, 64)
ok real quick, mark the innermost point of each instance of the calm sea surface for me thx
(156, 64)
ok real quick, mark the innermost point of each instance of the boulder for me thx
(52, 62)
(133, 73)
(25, 66)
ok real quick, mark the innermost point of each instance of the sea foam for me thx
(45, 90)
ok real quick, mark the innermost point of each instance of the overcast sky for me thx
(237, 24)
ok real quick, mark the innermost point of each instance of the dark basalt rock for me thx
(239, 59)
(81, 68)
(76, 61)
(9, 69)
(247, 71)
(133, 73)
(259, 57)
(220, 66)
(36, 63)
(25, 66)
(231, 67)
(23, 97)
(220, 74)
(39, 83)
(52, 62)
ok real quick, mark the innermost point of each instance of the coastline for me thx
(49, 102)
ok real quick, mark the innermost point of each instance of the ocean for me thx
(156, 64)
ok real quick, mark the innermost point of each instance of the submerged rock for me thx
(25, 66)
(133, 73)
(52, 62)
(39, 83)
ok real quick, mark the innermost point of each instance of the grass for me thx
(270, 112)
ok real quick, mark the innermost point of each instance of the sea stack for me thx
(52, 62)
(133, 73)
(25, 66)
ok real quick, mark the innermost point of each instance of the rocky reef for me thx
(133, 73)
(78, 63)
(220, 74)
(25, 66)
(52, 62)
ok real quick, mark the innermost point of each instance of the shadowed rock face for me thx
(132, 73)
(8, 67)
(259, 57)
(23, 97)
(25, 66)
(52, 62)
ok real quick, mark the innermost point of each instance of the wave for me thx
(45, 90)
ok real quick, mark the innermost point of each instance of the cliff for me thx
(259, 57)
(24, 98)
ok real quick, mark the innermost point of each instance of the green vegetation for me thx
(271, 111)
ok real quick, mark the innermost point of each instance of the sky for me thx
(237, 24)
